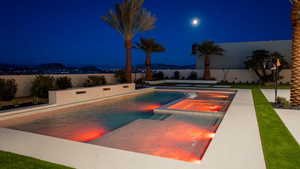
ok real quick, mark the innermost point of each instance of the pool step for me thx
(160, 116)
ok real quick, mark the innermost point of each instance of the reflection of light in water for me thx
(176, 142)
(87, 135)
(188, 132)
(214, 95)
(79, 131)
(196, 105)
(150, 107)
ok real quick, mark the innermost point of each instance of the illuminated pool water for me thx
(110, 123)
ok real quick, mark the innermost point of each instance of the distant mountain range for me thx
(59, 68)
(166, 66)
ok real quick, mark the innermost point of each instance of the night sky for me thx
(71, 32)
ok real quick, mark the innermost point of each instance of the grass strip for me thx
(280, 148)
(15, 161)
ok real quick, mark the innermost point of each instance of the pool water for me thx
(88, 122)
(128, 123)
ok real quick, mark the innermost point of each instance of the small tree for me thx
(95, 81)
(207, 49)
(149, 46)
(8, 89)
(41, 86)
(193, 76)
(158, 75)
(261, 62)
(62, 83)
(120, 76)
(176, 75)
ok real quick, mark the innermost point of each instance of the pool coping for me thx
(236, 145)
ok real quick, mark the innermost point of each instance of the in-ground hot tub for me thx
(129, 123)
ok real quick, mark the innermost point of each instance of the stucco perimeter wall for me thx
(230, 75)
(60, 97)
(24, 82)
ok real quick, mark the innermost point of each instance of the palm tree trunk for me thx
(295, 88)
(206, 75)
(148, 67)
(128, 66)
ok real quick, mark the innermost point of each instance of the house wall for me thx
(230, 75)
(236, 53)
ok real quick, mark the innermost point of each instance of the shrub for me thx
(8, 89)
(120, 76)
(193, 76)
(62, 83)
(176, 75)
(41, 86)
(283, 102)
(95, 81)
(158, 76)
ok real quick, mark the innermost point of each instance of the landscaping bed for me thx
(21, 102)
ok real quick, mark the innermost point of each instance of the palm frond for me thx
(149, 46)
(207, 48)
(129, 18)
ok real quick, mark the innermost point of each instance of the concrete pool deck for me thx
(236, 145)
(290, 118)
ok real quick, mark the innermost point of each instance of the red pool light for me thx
(214, 95)
(81, 131)
(88, 135)
(150, 107)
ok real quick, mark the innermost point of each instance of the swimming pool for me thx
(129, 123)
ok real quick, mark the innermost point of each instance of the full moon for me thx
(195, 22)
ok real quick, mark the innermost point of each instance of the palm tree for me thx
(295, 88)
(129, 19)
(207, 49)
(149, 46)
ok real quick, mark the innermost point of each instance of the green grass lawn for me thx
(14, 161)
(280, 148)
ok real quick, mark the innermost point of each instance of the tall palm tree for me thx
(129, 19)
(207, 49)
(149, 46)
(295, 88)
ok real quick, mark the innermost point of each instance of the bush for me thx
(193, 76)
(41, 86)
(62, 83)
(176, 75)
(95, 81)
(158, 76)
(120, 76)
(8, 89)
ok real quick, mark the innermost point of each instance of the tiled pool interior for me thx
(128, 123)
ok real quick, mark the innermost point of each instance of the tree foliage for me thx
(149, 46)
(8, 89)
(130, 18)
(207, 49)
(261, 61)
(41, 86)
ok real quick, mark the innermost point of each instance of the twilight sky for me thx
(71, 32)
